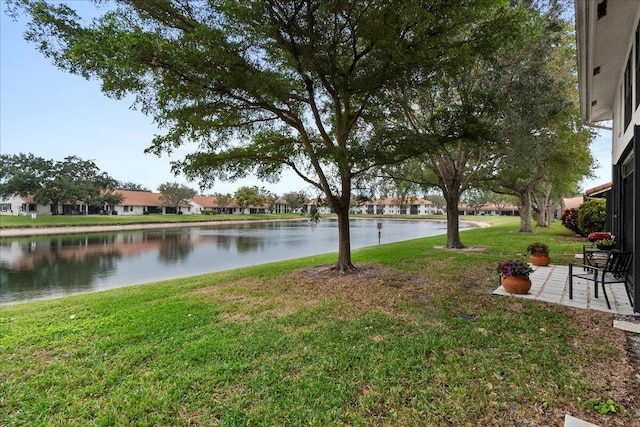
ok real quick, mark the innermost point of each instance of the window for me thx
(627, 92)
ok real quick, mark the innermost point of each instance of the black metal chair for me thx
(615, 270)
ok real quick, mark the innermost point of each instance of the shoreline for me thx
(82, 229)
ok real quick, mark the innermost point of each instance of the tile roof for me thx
(206, 201)
(573, 202)
(139, 198)
(599, 189)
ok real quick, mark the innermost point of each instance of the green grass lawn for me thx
(422, 343)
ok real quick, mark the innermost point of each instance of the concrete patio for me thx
(551, 284)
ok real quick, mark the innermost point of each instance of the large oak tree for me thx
(265, 84)
(458, 111)
(543, 139)
(69, 181)
(175, 195)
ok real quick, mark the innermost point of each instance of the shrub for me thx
(569, 219)
(592, 216)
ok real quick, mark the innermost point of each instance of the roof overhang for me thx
(603, 44)
(599, 191)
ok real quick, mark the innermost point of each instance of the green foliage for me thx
(23, 174)
(175, 195)
(605, 407)
(543, 141)
(131, 186)
(249, 196)
(569, 219)
(314, 215)
(56, 182)
(295, 200)
(592, 216)
(223, 200)
(605, 243)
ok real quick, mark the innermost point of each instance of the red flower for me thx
(599, 235)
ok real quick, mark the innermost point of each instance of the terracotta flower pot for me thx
(540, 259)
(516, 284)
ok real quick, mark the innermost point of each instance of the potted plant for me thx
(598, 235)
(605, 244)
(539, 254)
(514, 276)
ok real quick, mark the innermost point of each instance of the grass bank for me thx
(12, 221)
(415, 339)
(22, 221)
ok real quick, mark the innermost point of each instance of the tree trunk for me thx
(550, 213)
(340, 205)
(544, 219)
(453, 228)
(453, 224)
(344, 242)
(525, 212)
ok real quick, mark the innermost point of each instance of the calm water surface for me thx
(53, 266)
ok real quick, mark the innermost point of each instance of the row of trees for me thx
(57, 182)
(74, 180)
(450, 94)
(505, 121)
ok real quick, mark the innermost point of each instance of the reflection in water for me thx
(249, 244)
(174, 248)
(46, 267)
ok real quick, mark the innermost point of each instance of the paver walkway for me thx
(551, 284)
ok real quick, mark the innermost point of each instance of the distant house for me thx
(144, 203)
(139, 203)
(600, 192)
(280, 206)
(395, 206)
(489, 209)
(314, 204)
(202, 204)
(18, 205)
(573, 202)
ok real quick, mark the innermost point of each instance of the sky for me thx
(54, 114)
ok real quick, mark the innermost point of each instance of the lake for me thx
(52, 266)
